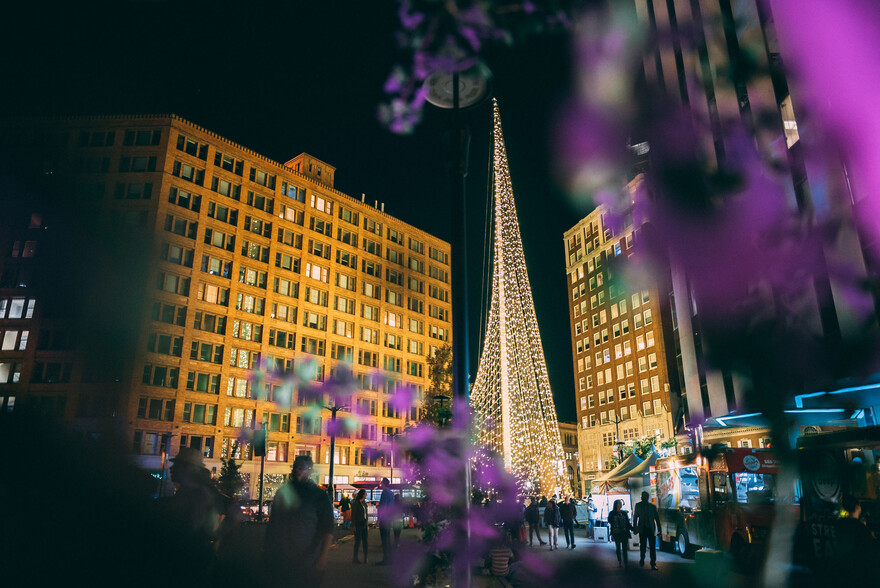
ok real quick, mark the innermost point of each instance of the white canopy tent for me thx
(613, 486)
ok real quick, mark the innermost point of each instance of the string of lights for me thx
(516, 417)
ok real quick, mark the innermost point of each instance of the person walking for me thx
(195, 511)
(856, 546)
(553, 520)
(533, 518)
(646, 521)
(359, 524)
(568, 513)
(618, 521)
(385, 517)
(345, 510)
(300, 531)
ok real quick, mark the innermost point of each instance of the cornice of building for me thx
(170, 119)
(304, 177)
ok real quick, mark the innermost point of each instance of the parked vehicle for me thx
(834, 464)
(720, 499)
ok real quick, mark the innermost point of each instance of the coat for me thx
(533, 515)
(552, 516)
(646, 519)
(618, 521)
(568, 512)
(358, 515)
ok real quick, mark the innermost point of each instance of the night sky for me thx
(307, 76)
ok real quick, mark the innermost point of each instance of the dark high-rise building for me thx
(720, 59)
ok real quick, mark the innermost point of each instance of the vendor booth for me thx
(613, 486)
(625, 482)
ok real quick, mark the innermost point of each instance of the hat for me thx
(189, 456)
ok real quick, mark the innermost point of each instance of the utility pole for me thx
(391, 457)
(617, 420)
(260, 449)
(333, 410)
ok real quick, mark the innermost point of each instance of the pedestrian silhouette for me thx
(359, 524)
(533, 518)
(856, 547)
(646, 521)
(568, 512)
(195, 509)
(618, 521)
(553, 519)
(300, 531)
(385, 515)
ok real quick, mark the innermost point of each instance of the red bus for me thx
(719, 499)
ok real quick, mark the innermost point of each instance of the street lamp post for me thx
(617, 420)
(333, 410)
(441, 414)
(391, 457)
(459, 91)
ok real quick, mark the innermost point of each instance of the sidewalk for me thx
(342, 572)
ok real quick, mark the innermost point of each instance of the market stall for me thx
(613, 486)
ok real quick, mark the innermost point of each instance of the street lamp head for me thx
(474, 86)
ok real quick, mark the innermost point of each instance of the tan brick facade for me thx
(619, 358)
(248, 260)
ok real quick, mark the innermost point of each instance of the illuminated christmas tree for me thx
(515, 414)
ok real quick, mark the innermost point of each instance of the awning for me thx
(626, 465)
(367, 485)
(644, 467)
(614, 482)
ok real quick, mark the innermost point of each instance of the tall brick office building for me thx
(149, 264)
(621, 363)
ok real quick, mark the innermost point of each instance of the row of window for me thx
(154, 443)
(132, 137)
(586, 382)
(625, 413)
(645, 362)
(258, 252)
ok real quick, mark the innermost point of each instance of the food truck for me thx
(832, 465)
(719, 498)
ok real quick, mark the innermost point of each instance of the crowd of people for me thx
(553, 513)
(300, 530)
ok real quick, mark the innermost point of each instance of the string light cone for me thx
(516, 417)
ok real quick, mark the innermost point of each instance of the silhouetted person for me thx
(856, 548)
(618, 522)
(345, 510)
(568, 513)
(196, 507)
(359, 524)
(646, 521)
(553, 519)
(300, 531)
(533, 518)
(385, 515)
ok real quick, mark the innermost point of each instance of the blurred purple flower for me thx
(402, 398)
(824, 44)
(408, 19)
(395, 81)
